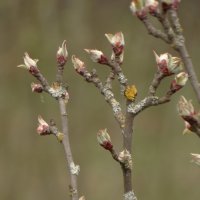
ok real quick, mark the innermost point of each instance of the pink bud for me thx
(43, 128)
(167, 64)
(97, 56)
(179, 81)
(62, 54)
(168, 4)
(36, 87)
(104, 139)
(79, 65)
(152, 6)
(137, 8)
(117, 42)
(30, 64)
(185, 108)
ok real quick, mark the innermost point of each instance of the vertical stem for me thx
(66, 143)
(67, 148)
(127, 139)
(190, 70)
(181, 48)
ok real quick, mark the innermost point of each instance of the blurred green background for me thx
(33, 167)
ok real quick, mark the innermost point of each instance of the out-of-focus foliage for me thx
(33, 167)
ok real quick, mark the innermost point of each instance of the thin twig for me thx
(154, 31)
(67, 148)
(181, 48)
(66, 143)
(107, 93)
(156, 82)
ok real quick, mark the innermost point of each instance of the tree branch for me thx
(66, 143)
(190, 70)
(68, 153)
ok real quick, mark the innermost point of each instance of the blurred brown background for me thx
(33, 167)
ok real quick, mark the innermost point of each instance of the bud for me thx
(130, 92)
(43, 128)
(125, 158)
(36, 87)
(79, 65)
(188, 128)
(179, 81)
(60, 136)
(62, 54)
(97, 56)
(30, 64)
(104, 139)
(65, 96)
(82, 198)
(167, 4)
(185, 108)
(137, 8)
(117, 42)
(167, 64)
(152, 6)
(195, 158)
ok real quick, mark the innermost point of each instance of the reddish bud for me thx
(117, 42)
(36, 87)
(185, 108)
(97, 56)
(152, 6)
(104, 139)
(137, 8)
(43, 128)
(168, 4)
(167, 64)
(79, 65)
(62, 54)
(30, 64)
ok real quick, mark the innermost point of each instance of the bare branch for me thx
(154, 31)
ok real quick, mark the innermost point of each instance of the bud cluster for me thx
(167, 64)
(140, 8)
